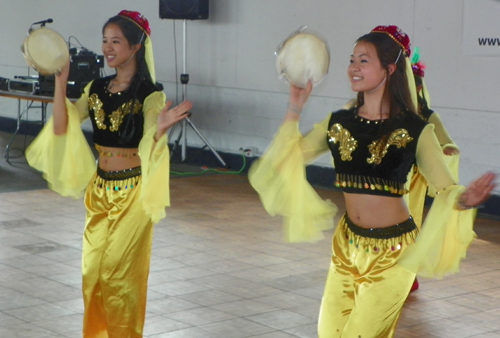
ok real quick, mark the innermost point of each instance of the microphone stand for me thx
(41, 23)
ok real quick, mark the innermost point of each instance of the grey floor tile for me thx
(244, 308)
(192, 332)
(281, 319)
(40, 312)
(200, 316)
(236, 328)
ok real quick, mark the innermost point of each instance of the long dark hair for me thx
(421, 99)
(134, 36)
(396, 86)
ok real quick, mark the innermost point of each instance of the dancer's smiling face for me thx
(365, 71)
(115, 46)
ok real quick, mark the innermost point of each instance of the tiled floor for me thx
(220, 269)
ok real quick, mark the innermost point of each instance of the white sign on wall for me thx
(481, 35)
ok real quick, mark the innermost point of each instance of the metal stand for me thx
(182, 137)
(31, 104)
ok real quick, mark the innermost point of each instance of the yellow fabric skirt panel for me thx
(366, 289)
(418, 191)
(444, 238)
(116, 256)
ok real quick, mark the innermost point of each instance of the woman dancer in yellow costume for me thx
(377, 247)
(418, 186)
(129, 191)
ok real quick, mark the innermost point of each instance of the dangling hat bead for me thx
(138, 19)
(395, 33)
(417, 66)
(418, 69)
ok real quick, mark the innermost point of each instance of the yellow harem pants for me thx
(116, 256)
(366, 289)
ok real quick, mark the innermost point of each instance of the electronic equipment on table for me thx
(84, 67)
(4, 84)
(23, 84)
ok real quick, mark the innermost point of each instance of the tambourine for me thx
(45, 51)
(301, 57)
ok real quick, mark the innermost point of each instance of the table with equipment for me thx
(46, 51)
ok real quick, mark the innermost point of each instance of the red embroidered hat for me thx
(395, 33)
(138, 19)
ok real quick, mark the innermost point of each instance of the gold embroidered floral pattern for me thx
(378, 149)
(96, 105)
(117, 116)
(347, 143)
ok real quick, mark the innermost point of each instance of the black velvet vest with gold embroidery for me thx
(373, 157)
(108, 111)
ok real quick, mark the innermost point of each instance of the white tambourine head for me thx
(302, 57)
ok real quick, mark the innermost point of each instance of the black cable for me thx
(79, 43)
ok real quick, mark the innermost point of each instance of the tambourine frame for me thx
(55, 54)
(301, 30)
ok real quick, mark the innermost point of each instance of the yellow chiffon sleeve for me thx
(445, 140)
(442, 134)
(155, 161)
(280, 179)
(419, 188)
(415, 199)
(66, 161)
(447, 231)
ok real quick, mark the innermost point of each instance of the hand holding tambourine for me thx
(302, 57)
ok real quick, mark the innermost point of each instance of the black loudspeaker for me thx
(184, 9)
(84, 67)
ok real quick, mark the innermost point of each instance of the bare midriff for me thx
(373, 211)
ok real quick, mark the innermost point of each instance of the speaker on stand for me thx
(186, 10)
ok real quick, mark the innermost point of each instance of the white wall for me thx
(233, 81)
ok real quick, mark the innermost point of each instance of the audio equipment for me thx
(24, 86)
(41, 23)
(184, 9)
(84, 67)
(4, 84)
